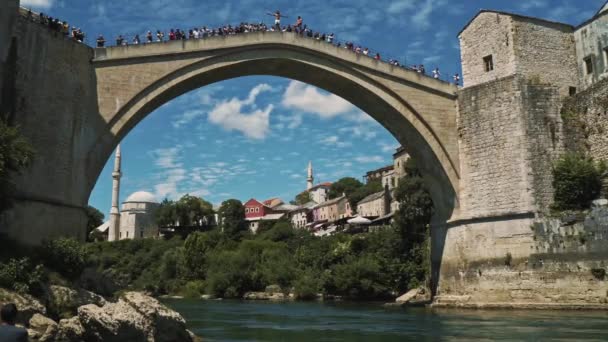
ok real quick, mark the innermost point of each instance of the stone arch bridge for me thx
(76, 103)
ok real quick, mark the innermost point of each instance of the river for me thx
(346, 321)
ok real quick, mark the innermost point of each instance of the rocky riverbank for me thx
(67, 314)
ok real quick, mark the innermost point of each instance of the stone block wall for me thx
(510, 132)
(545, 52)
(585, 118)
(54, 102)
(537, 262)
(523, 46)
(489, 33)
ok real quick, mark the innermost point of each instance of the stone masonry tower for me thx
(310, 178)
(114, 212)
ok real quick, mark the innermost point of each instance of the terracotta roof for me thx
(326, 184)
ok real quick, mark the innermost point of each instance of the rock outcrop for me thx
(64, 301)
(27, 305)
(70, 330)
(417, 296)
(42, 328)
(272, 292)
(135, 317)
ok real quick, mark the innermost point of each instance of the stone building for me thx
(381, 173)
(375, 205)
(138, 216)
(319, 192)
(591, 39)
(302, 215)
(332, 210)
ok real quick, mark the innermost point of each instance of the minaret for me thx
(310, 178)
(113, 231)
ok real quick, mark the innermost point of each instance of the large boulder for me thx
(135, 317)
(166, 324)
(42, 328)
(70, 330)
(26, 304)
(112, 322)
(63, 302)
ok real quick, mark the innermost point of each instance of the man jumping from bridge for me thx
(277, 19)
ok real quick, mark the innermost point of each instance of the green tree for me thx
(346, 185)
(166, 215)
(232, 218)
(302, 198)
(193, 211)
(412, 223)
(577, 181)
(16, 154)
(94, 219)
(196, 248)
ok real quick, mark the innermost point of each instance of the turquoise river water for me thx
(346, 321)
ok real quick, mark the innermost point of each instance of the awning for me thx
(359, 220)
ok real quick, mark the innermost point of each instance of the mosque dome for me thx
(142, 196)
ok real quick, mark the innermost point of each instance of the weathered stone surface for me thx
(27, 305)
(264, 296)
(112, 322)
(70, 330)
(42, 328)
(165, 324)
(600, 203)
(135, 317)
(64, 301)
(273, 289)
(408, 296)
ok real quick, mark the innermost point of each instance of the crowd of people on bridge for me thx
(56, 25)
(298, 27)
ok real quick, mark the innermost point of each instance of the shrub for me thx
(508, 259)
(193, 289)
(307, 286)
(65, 256)
(22, 276)
(577, 180)
(598, 273)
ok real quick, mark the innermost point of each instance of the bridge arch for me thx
(418, 112)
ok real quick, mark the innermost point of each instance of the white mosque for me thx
(136, 218)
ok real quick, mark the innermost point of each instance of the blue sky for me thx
(253, 136)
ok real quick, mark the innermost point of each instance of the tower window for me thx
(589, 65)
(606, 58)
(488, 63)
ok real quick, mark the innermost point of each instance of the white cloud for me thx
(369, 159)
(334, 140)
(309, 99)
(399, 6)
(169, 187)
(45, 4)
(422, 16)
(388, 147)
(532, 4)
(230, 115)
(167, 158)
(187, 117)
(359, 132)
